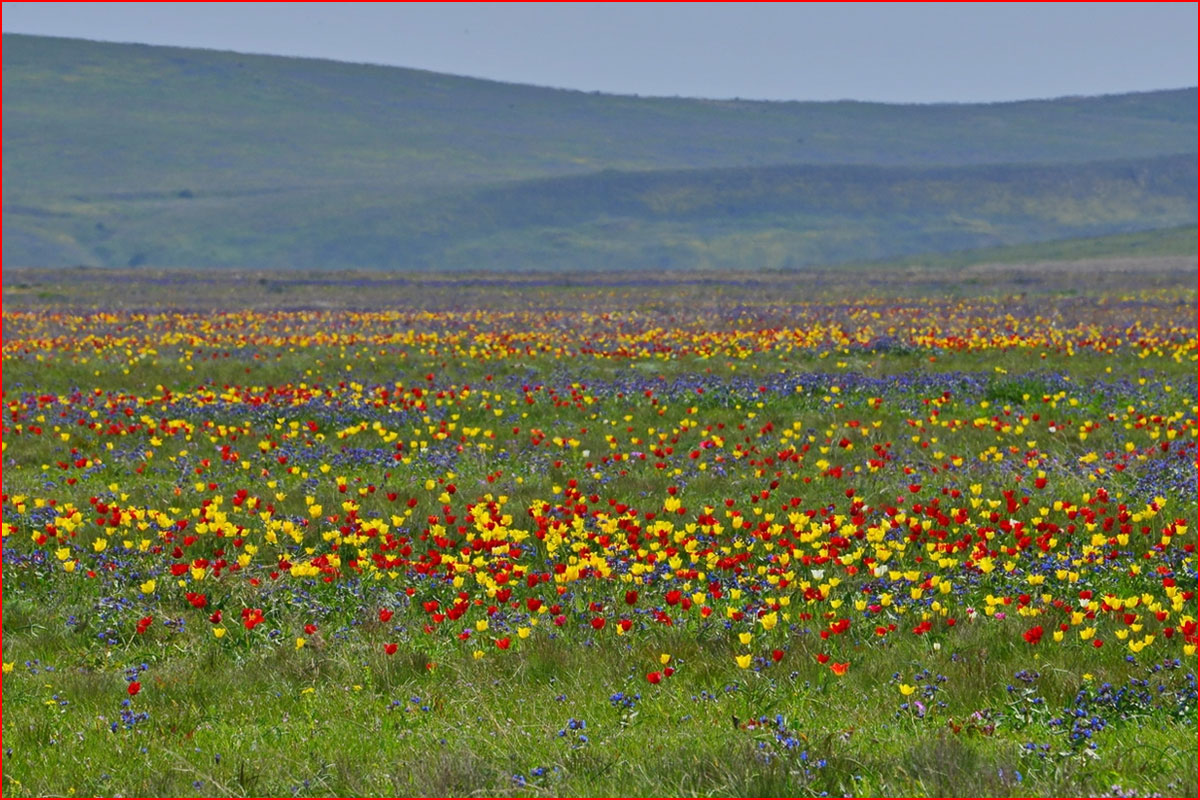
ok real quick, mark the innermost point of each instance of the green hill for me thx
(1156, 243)
(128, 154)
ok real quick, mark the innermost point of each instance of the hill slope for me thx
(118, 154)
(1157, 245)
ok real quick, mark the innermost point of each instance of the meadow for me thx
(868, 532)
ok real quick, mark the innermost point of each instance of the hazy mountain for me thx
(128, 154)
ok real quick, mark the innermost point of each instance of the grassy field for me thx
(1152, 244)
(122, 155)
(878, 532)
(1158, 259)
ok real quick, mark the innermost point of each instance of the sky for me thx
(905, 53)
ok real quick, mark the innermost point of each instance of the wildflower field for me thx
(871, 533)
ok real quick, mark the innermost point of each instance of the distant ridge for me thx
(120, 154)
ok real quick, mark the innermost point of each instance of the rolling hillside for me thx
(118, 155)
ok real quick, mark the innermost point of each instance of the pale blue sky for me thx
(921, 52)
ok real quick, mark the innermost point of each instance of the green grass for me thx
(250, 714)
(278, 721)
(1180, 241)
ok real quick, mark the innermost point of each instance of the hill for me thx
(1157, 244)
(121, 155)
